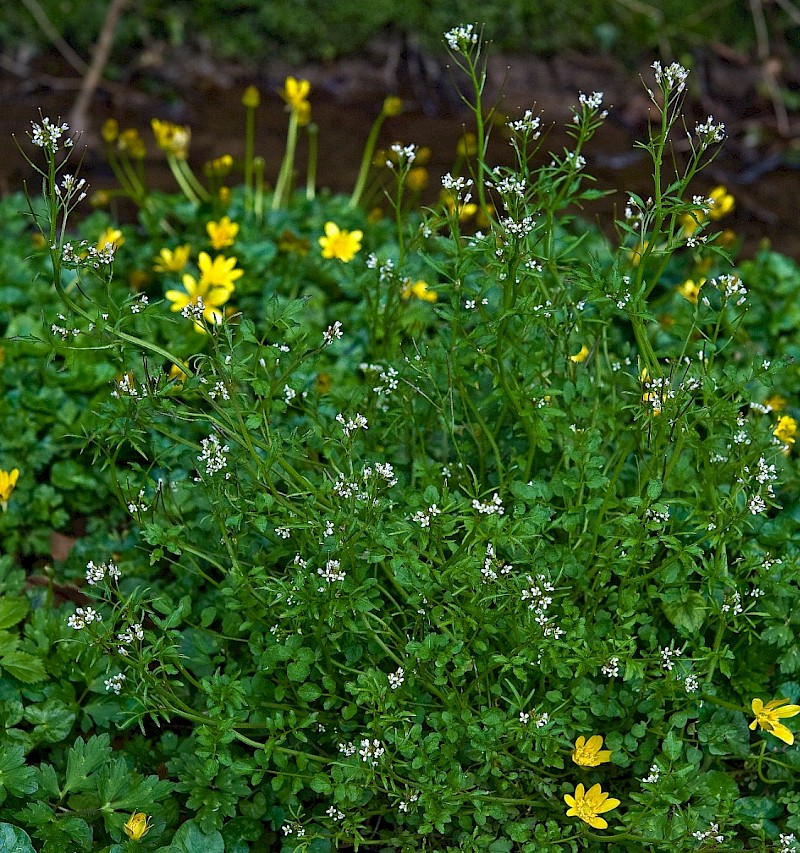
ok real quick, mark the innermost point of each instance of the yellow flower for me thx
(392, 106)
(417, 178)
(343, 245)
(587, 805)
(690, 290)
(176, 374)
(590, 753)
(198, 293)
(295, 93)
(172, 138)
(635, 255)
(130, 141)
(172, 260)
(776, 402)
(786, 429)
(222, 233)
(723, 203)
(580, 356)
(251, 97)
(768, 717)
(467, 145)
(219, 167)
(110, 130)
(291, 243)
(138, 825)
(8, 479)
(218, 273)
(112, 236)
(419, 289)
(465, 211)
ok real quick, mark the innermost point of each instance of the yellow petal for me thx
(598, 822)
(595, 742)
(570, 801)
(610, 803)
(787, 711)
(780, 731)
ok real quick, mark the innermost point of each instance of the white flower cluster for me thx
(219, 390)
(668, 654)
(347, 749)
(660, 517)
(492, 566)
(654, 775)
(691, 684)
(493, 507)
(331, 573)
(518, 229)
(126, 386)
(406, 804)
(371, 751)
(396, 678)
(194, 310)
(381, 469)
(126, 638)
(334, 813)
(423, 518)
(593, 101)
(406, 155)
(142, 302)
(82, 617)
(788, 843)
(732, 603)
(528, 125)
(350, 426)
(94, 574)
(293, 829)
(141, 506)
(539, 595)
(115, 683)
(385, 269)
(213, 455)
(510, 185)
(331, 333)
(456, 186)
(709, 133)
(388, 380)
(731, 287)
(63, 331)
(460, 39)
(712, 834)
(47, 135)
(611, 669)
(672, 77)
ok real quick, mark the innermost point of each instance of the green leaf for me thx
(12, 610)
(14, 840)
(83, 759)
(15, 776)
(24, 667)
(191, 839)
(672, 746)
(686, 611)
(52, 720)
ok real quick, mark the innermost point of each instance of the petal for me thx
(331, 229)
(753, 725)
(603, 756)
(595, 742)
(580, 791)
(598, 823)
(358, 236)
(757, 705)
(178, 299)
(190, 285)
(610, 803)
(787, 711)
(570, 801)
(780, 731)
(580, 743)
(595, 792)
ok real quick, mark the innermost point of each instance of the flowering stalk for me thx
(313, 154)
(280, 197)
(251, 101)
(258, 181)
(391, 107)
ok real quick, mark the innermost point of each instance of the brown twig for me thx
(47, 27)
(102, 50)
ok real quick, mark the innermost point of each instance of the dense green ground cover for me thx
(400, 532)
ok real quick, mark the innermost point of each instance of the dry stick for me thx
(46, 26)
(762, 43)
(102, 49)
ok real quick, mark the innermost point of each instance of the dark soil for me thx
(759, 163)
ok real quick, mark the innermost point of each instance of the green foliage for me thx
(399, 536)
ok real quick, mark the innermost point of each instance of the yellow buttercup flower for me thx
(222, 233)
(197, 294)
(220, 272)
(130, 142)
(786, 429)
(465, 210)
(220, 167)
(467, 145)
(588, 805)
(172, 260)
(295, 93)
(112, 236)
(172, 138)
(340, 244)
(776, 402)
(417, 178)
(690, 290)
(768, 717)
(723, 203)
(137, 826)
(581, 355)
(110, 130)
(589, 753)
(8, 480)
(419, 289)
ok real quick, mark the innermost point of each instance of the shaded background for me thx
(189, 61)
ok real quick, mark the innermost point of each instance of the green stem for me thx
(366, 161)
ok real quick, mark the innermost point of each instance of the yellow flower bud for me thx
(392, 106)
(110, 130)
(137, 826)
(251, 98)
